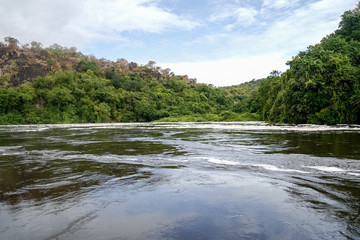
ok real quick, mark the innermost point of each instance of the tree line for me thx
(61, 85)
(74, 88)
(322, 85)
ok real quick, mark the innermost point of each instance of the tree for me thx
(145, 110)
(60, 97)
(4, 80)
(36, 45)
(11, 42)
(322, 83)
(102, 112)
(349, 26)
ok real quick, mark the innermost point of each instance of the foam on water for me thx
(327, 169)
(49, 185)
(297, 183)
(336, 170)
(274, 168)
(223, 162)
(250, 126)
(10, 150)
(354, 174)
(265, 166)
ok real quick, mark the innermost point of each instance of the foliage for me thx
(245, 96)
(86, 96)
(322, 84)
(60, 85)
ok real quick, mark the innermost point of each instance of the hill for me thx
(322, 85)
(245, 96)
(61, 85)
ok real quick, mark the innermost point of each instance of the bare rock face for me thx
(22, 64)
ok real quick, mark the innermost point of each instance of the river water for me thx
(180, 181)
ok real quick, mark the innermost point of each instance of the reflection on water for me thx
(38, 180)
(179, 181)
(337, 197)
(340, 145)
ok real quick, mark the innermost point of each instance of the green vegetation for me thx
(226, 116)
(245, 96)
(322, 85)
(61, 85)
(73, 88)
(73, 97)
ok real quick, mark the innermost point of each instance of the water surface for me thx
(179, 181)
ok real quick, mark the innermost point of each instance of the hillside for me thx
(322, 85)
(61, 85)
(245, 96)
(23, 63)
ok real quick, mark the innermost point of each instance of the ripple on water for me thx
(179, 181)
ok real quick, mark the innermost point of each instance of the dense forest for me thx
(322, 85)
(61, 85)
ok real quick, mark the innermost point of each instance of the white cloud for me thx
(278, 4)
(128, 15)
(77, 22)
(38, 20)
(230, 71)
(288, 34)
(306, 25)
(256, 55)
(244, 16)
(251, 37)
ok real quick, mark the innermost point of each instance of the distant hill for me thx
(61, 85)
(24, 63)
(245, 96)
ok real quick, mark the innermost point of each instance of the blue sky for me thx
(220, 42)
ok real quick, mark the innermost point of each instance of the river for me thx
(247, 180)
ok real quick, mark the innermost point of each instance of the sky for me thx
(218, 42)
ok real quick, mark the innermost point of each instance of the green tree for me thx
(60, 97)
(321, 85)
(102, 112)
